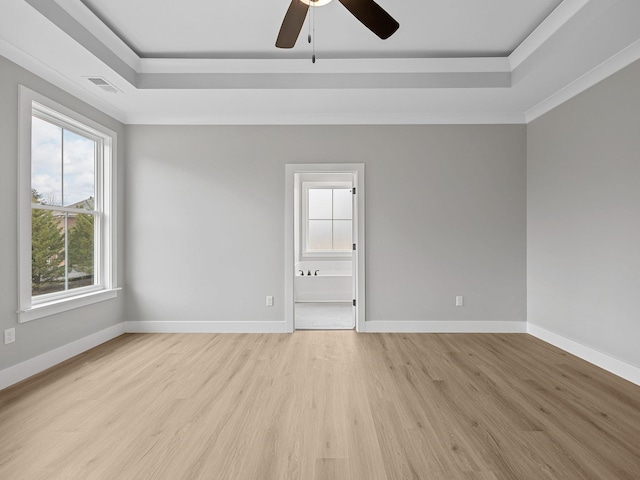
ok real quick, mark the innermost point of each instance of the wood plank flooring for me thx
(321, 405)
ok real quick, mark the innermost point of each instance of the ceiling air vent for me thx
(103, 84)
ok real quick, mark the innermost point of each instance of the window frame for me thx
(30, 308)
(304, 250)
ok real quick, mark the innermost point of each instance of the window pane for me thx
(79, 171)
(320, 203)
(320, 234)
(342, 235)
(47, 252)
(342, 203)
(81, 258)
(46, 162)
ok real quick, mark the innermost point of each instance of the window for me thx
(327, 219)
(67, 224)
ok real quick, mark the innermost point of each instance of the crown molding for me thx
(87, 19)
(37, 67)
(607, 68)
(306, 81)
(554, 22)
(332, 119)
(326, 65)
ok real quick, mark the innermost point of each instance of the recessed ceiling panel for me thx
(234, 29)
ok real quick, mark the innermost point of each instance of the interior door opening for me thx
(323, 268)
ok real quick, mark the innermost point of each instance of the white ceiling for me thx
(234, 29)
(209, 61)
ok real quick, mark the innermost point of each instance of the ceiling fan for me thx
(370, 14)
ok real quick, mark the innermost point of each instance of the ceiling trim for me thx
(34, 65)
(336, 119)
(68, 24)
(607, 68)
(84, 16)
(550, 25)
(315, 81)
(329, 65)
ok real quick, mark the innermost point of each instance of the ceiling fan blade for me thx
(372, 16)
(292, 24)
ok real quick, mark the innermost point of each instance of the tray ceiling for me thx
(215, 62)
(224, 29)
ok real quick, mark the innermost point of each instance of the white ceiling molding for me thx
(314, 81)
(561, 15)
(58, 79)
(337, 119)
(614, 64)
(85, 37)
(85, 17)
(324, 66)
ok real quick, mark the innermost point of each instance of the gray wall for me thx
(45, 334)
(445, 216)
(583, 172)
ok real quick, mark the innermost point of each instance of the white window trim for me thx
(45, 305)
(304, 250)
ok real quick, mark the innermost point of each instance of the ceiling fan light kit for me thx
(368, 12)
(316, 3)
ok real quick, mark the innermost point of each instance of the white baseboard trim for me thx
(448, 326)
(613, 365)
(204, 327)
(26, 369)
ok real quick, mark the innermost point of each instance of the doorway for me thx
(324, 246)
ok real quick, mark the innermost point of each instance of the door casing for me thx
(357, 170)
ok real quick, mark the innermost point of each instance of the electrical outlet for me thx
(9, 335)
(459, 301)
(269, 300)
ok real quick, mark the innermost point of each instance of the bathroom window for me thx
(67, 220)
(328, 220)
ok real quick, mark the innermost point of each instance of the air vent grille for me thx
(103, 84)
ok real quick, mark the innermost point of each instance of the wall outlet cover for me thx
(9, 335)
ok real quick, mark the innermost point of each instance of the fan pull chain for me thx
(313, 45)
(309, 35)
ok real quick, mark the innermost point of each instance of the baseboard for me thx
(204, 327)
(610, 364)
(21, 371)
(26, 369)
(448, 326)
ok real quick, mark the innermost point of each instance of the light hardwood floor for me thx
(321, 405)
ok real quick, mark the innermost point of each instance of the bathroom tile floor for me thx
(324, 316)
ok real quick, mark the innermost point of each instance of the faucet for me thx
(308, 272)
(301, 272)
(316, 273)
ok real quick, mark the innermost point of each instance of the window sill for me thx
(65, 304)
